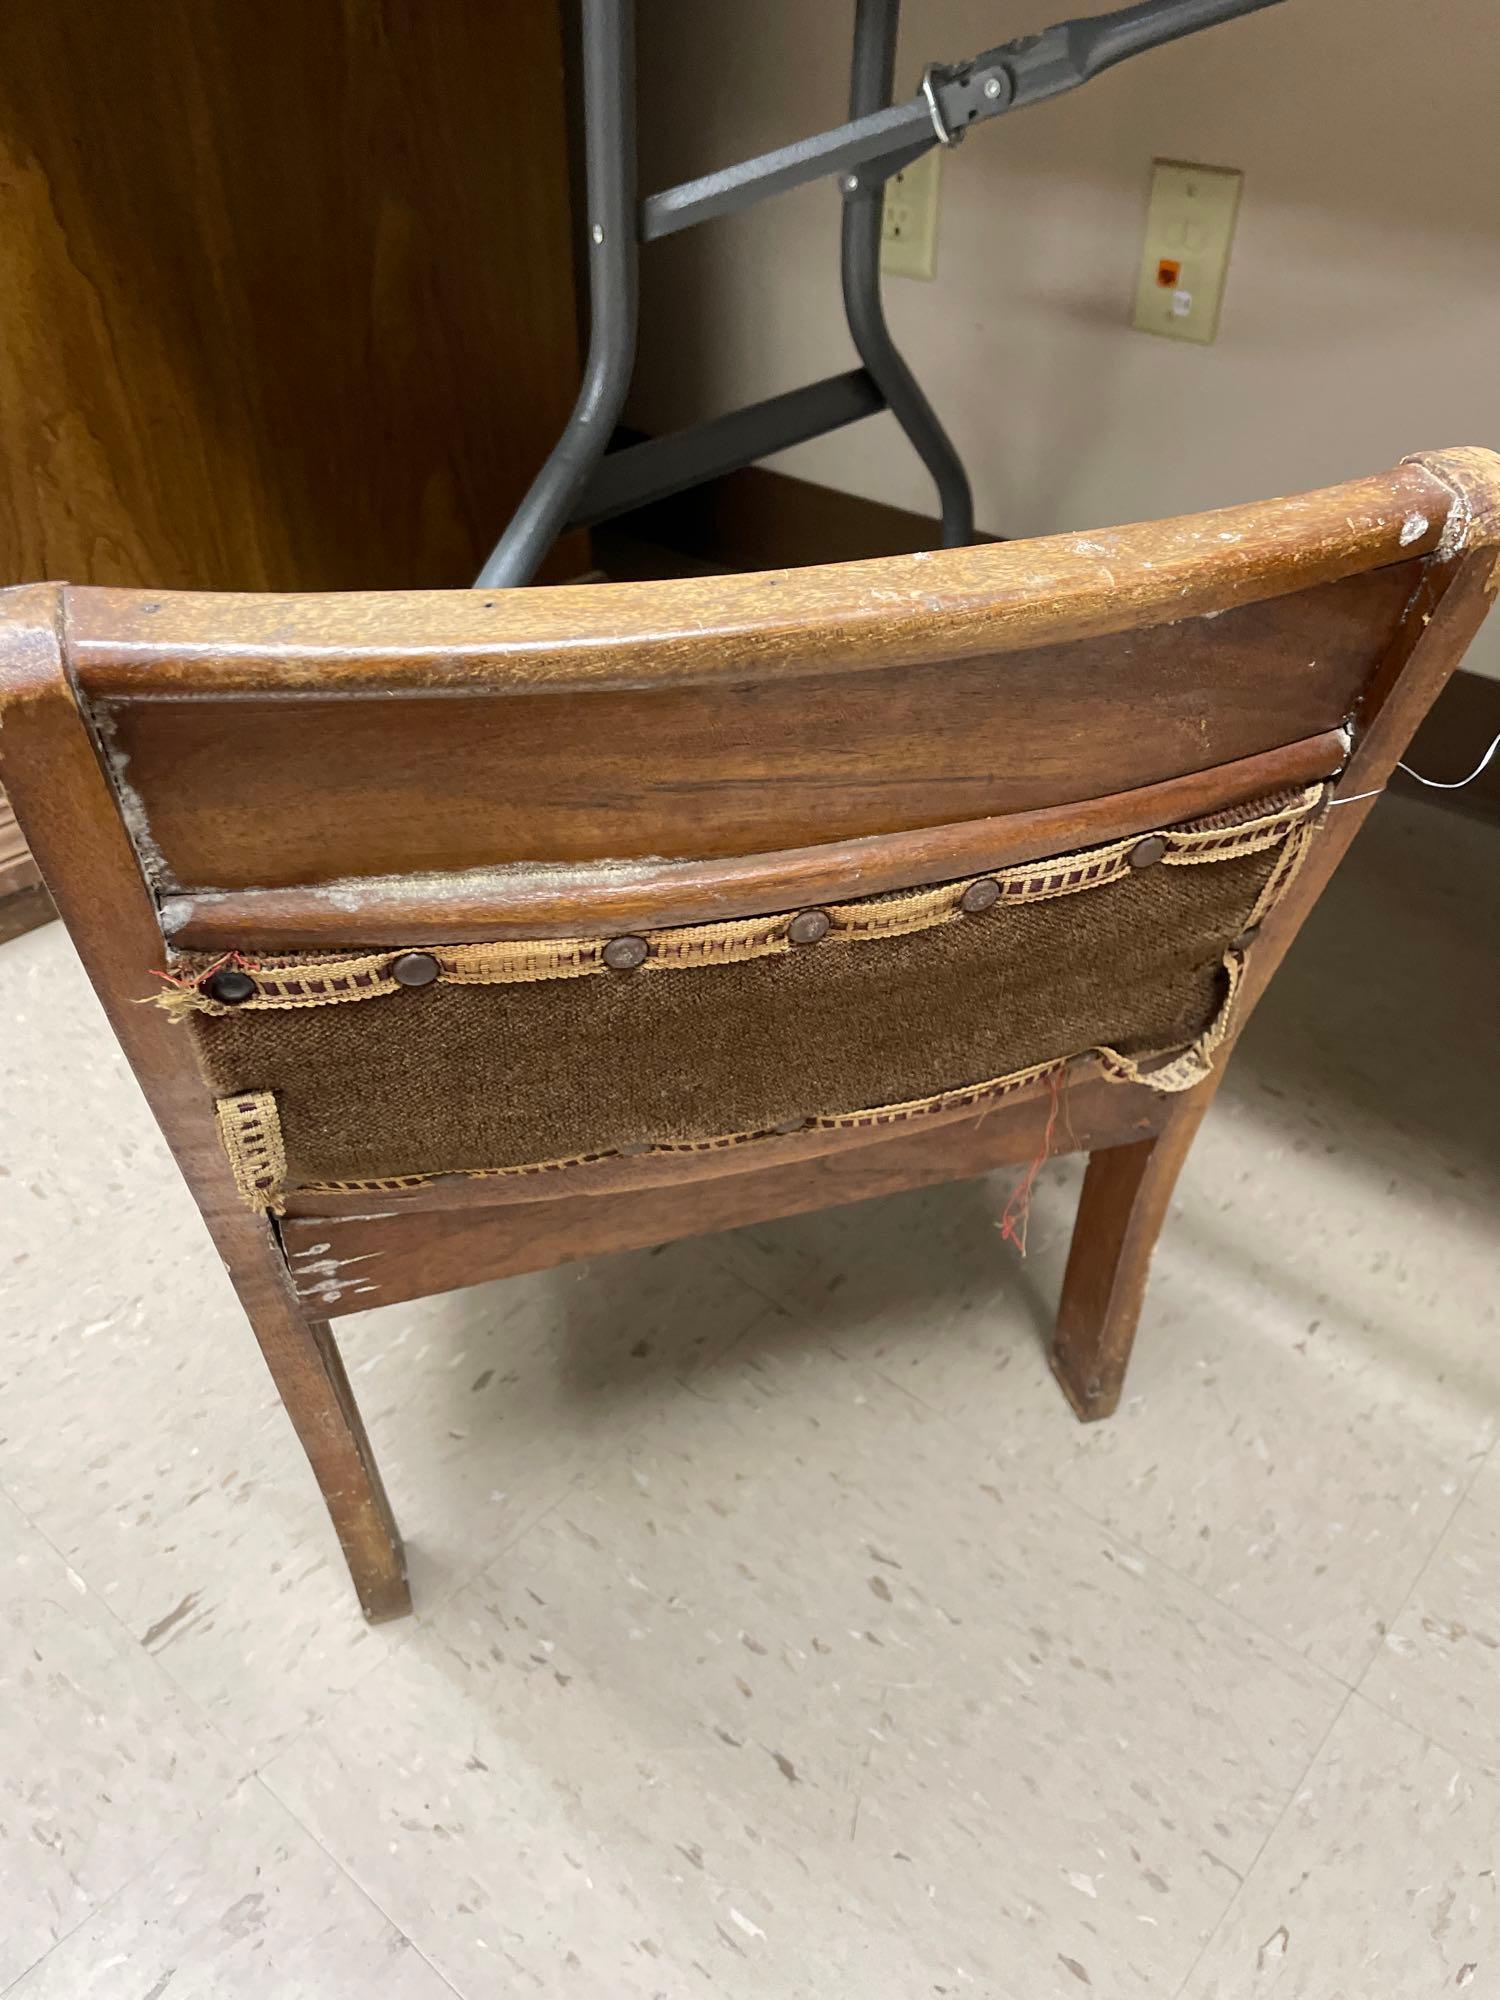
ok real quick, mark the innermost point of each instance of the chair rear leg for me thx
(1124, 1202)
(308, 1370)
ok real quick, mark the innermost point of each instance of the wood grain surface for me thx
(583, 900)
(949, 604)
(288, 298)
(272, 791)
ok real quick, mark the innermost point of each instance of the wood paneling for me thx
(288, 297)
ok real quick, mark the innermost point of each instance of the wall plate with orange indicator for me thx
(1185, 257)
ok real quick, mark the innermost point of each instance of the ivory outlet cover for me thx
(908, 233)
(1185, 258)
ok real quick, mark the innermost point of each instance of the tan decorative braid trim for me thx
(303, 980)
(1235, 816)
(1288, 864)
(1194, 1064)
(251, 1131)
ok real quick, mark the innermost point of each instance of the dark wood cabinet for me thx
(286, 289)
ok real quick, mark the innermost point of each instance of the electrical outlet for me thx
(1185, 258)
(908, 231)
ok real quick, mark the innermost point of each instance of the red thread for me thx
(196, 979)
(1017, 1215)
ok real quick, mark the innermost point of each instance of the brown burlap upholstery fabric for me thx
(453, 1078)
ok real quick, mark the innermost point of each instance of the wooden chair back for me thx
(613, 873)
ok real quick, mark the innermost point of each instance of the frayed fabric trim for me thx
(304, 980)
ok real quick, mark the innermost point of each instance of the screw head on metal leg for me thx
(851, 184)
(597, 232)
(992, 86)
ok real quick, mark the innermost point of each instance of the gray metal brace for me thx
(579, 485)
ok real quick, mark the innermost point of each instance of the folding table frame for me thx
(583, 482)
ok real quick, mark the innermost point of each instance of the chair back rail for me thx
(327, 763)
(582, 898)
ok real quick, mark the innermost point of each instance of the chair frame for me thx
(54, 665)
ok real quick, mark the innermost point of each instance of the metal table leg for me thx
(872, 78)
(879, 139)
(613, 259)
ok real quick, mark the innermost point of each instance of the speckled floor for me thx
(780, 1632)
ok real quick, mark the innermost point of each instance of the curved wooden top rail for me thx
(581, 899)
(900, 611)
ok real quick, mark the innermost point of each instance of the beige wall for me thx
(1362, 317)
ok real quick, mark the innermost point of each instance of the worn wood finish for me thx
(585, 900)
(455, 780)
(17, 869)
(1452, 604)
(308, 1371)
(50, 769)
(407, 1255)
(754, 518)
(743, 715)
(953, 604)
(1364, 619)
(261, 327)
(1120, 1213)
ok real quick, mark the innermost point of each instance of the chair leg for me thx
(1120, 1213)
(308, 1370)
